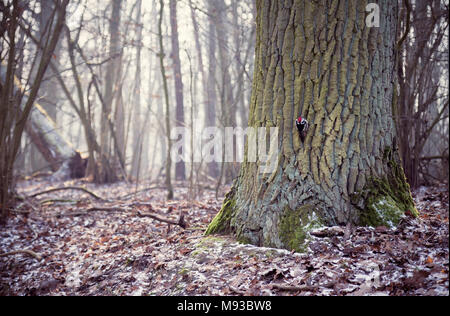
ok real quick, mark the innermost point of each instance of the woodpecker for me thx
(302, 126)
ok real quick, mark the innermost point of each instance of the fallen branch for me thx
(69, 188)
(25, 251)
(94, 209)
(181, 222)
(50, 201)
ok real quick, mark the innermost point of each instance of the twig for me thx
(69, 188)
(25, 251)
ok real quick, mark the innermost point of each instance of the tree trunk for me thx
(105, 174)
(137, 133)
(211, 104)
(321, 61)
(168, 162)
(180, 169)
(47, 95)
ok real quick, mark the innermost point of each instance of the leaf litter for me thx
(105, 248)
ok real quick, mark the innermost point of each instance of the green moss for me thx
(382, 212)
(384, 201)
(184, 271)
(243, 240)
(221, 222)
(295, 226)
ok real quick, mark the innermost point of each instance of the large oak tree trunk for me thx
(320, 60)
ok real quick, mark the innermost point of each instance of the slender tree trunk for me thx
(137, 133)
(211, 104)
(320, 60)
(48, 96)
(227, 104)
(110, 89)
(166, 98)
(180, 169)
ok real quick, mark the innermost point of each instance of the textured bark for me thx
(318, 59)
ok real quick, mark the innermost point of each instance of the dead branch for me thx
(69, 188)
(25, 251)
(94, 209)
(181, 222)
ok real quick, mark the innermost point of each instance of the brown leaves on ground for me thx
(104, 248)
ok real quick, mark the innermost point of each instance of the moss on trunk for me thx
(295, 226)
(384, 201)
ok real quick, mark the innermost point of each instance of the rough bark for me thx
(318, 59)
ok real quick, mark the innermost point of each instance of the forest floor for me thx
(77, 244)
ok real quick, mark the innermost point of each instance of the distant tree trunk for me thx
(137, 133)
(321, 61)
(180, 169)
(166, 98)
(48, 96)
(110, 90)
(227, 104)
(211, 104)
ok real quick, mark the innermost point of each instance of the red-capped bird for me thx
(302, 126)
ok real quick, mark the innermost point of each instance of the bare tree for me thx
(13, 118)
(423, 81)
